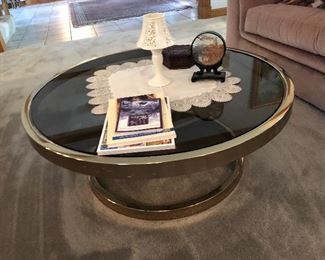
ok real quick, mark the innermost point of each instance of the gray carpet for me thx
(85, 12)
(276, 212)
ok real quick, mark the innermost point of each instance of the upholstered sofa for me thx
(290, 36)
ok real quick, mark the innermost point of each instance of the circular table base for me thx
(172, 211)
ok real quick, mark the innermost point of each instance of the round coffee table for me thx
(210, 146)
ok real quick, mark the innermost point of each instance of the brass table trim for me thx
(179, 210)
(164, 165)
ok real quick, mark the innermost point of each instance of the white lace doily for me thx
(130, 79)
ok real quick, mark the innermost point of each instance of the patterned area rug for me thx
(87, 12)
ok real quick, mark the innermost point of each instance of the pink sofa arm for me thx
(236, 15)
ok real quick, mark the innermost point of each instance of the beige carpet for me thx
(277, 211)
(47, 212)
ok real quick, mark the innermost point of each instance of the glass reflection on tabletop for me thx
(60, 109)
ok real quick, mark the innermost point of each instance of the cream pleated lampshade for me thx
(155, 34)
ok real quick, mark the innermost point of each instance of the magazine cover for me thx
(104, 149)
(138, 113)
(134, 137)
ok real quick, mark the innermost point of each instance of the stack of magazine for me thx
(137, 124)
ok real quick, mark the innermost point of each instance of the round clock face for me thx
(208, 49)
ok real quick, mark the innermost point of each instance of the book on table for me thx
(105, 149)
(137, 124)
(138, 113)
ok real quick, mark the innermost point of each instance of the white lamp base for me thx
(159, 80)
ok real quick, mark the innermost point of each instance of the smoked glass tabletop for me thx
(60, 109)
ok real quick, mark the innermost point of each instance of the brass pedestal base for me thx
(170, 211)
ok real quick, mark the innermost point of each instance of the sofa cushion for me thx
(311, 3)
(296, 26)
(308, 59)
(295, 2)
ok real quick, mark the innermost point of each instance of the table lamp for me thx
(155, 36)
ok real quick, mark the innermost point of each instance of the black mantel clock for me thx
(208, 50)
